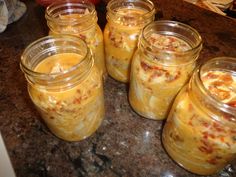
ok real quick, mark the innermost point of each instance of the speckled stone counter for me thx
(125, 144)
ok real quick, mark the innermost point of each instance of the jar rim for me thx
(51, 39)
(205, 91)
(145, 15)
(196, 47)
(50, 10)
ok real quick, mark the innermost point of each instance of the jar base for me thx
(151, 116)
(146, 115)
(75, 138)
(185, 163)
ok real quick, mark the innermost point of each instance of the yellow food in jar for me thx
(91, 34)
(120, 43)
(200, 141)
(73, 113)
(153, 84)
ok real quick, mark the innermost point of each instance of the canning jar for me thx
(162, 64)
(200, 132)
(79, 18)
(65, 85)
(126, 18)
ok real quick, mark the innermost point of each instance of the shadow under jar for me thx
(163, 63)
(200, 132)
(125, 20)
(65, 85)
(79, 18)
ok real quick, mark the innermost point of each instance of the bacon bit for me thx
(51, 117)
(218, 157)
(152, 40)
(78, 91)
(171, 78)
(40, 97)
(77, 100)
(82, 36)
(172, 39)
(190, 107)
(193, 117)
(190, 123)
(232, 103)
(170, 48)
(218, 128)
(212, 136)
(149, 88)
(204, 142)
(233, 131)
(226, 78)
(228, 117)
(206, 135)
(110, 34)
(217, 83)
(206, 149)
(128, 18)
(191, 120)
(210, 75)
(53, 109)
(176, 137)
(156, 74)
(117, 40)
(219, 93)
(158, 71)
(205, 124)
(112, 38)
(145, 66)
(222, 139)
(212, 161)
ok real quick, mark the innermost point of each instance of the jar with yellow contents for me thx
(79, 18)
(126, 18)
(200, 132)
(65, 85)
(162, 64)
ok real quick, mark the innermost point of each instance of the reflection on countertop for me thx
(126, 144)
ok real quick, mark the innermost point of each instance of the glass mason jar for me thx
(65, 85)
(200, 132)
(126, 18)
(165, 58)
(79, 18)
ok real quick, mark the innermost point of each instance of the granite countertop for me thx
(125, 144)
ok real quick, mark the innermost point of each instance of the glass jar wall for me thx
(65, 85)
(126, 18)
(79, 18)
(163, 63)
(200, 132)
